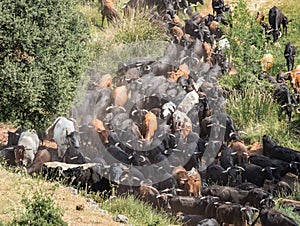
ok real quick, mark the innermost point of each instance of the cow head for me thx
(276, 35)
(19, 152)
(103, 135)
(247, 213)
(73, 139)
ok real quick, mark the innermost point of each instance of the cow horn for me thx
(170, 195)
(166, 190)
(273, 168)
(158, 196)
(122, 108)
(245, 153)
(136, 178)
(143, 158)
(172, 135)
(10, 148)
(241, 168)
(242, 132)
(179, 190)
(234, 153)
(133, 112)
(145, 110)
(117, 144)
(232, 133)
(210, 125)
(108, 108)
(183, 59)
(184, 11)
(284, 105)
(106, 166)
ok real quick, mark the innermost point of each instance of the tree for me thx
(43, 54)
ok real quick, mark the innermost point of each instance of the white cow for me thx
(27, 147)
(63, 132)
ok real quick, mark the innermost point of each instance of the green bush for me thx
(246, 43)
(43, 54)
(40, 210)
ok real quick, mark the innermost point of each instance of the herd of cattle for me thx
(156, 130)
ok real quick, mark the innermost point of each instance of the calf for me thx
(27, 148)
(41, 157)
(289, 55)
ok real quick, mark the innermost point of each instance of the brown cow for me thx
(101, 130)
(41, 157)
(105, 81)
(194, 183)
(266, 62)
(183, 70)
(149, 126)
(149, 194)
(109, 12)
(120, 96)
(295, 79)
(177, 33)
(239, 150)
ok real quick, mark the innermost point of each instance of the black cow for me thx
(285, 99)
(289, 55)
(283, 167)
(275, 218)
(74, 156)
(261, 174)
(276, 19)
(217, 174)
(218, 6)
(226, 194)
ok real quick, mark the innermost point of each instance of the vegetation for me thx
(138, 212)
(39, 210)
(43, 54)
(251, 104)
(43, 62)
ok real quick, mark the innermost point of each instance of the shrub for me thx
(43, 54)
(40, 210)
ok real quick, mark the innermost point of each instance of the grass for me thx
(251, 105)
(19, 187)
(138, 212)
